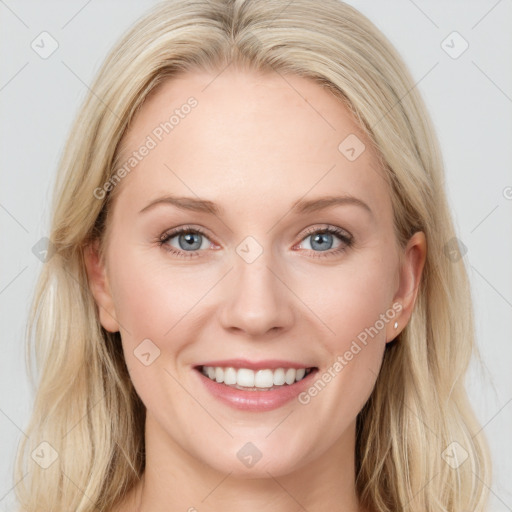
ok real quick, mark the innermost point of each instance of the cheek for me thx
(156, 301)
(351, 299)
(354, 303)
(151, 303)
(139, 302)
(151, 297)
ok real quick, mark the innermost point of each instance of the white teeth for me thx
(229, 376)
(245, 377)
(300, 373)
(279, 377)
(289, 376)
(263, 379)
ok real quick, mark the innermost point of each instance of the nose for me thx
(258, 299)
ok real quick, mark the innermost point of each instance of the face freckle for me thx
(295, 260)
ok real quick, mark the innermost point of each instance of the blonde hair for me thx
(86, 407)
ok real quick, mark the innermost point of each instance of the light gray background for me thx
(470, 101)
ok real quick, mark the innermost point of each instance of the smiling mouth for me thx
(255, 380)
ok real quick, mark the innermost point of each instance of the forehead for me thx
(254, 136)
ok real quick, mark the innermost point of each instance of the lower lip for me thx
(255, 400)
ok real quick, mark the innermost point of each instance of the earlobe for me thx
(411, 270)
(100, 287)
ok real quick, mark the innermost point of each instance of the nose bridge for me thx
(256, 300)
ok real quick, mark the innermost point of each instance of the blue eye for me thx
(191, 241)
(322, 241)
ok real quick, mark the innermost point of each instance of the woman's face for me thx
(288, 261)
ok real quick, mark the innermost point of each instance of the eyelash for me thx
(341, 234)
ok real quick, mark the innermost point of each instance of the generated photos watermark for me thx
(151, 142)
(355, 348)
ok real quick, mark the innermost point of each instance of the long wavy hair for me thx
(418, 419)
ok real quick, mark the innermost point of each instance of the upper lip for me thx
(270, 364)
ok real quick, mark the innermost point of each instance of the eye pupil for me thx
(319, 237)
(189, 238)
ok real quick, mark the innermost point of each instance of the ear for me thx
(413, 261)
(100, 288)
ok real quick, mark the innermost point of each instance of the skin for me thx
(254, 145)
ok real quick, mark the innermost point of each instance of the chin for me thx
(249, 462)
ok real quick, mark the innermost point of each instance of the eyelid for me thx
(343, 233)
(169, 233)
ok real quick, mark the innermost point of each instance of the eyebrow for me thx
(299, 207)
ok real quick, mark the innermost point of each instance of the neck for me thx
(175, 480)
